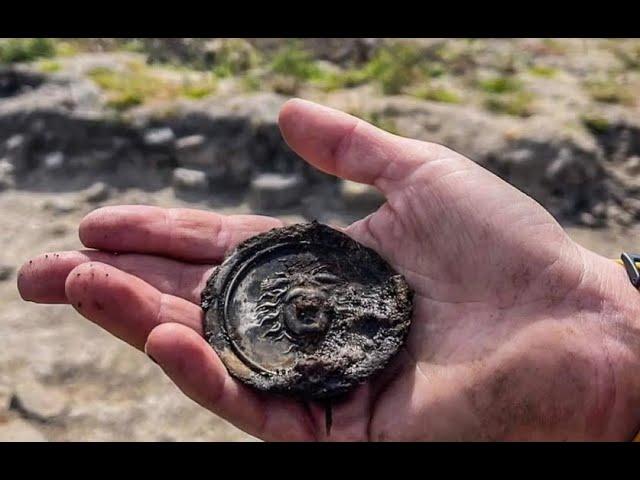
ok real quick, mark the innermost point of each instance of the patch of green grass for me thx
(458, 56)
(293, 66)
(543, 71)
(434, 69)
(395, 67)
(49, 66)
(437, 94)
(376, 118)
(198, 90)
(294, 61)
(284, 84)
(138, 85)
(126, 100)
(554, 47)
(251, 83)
(629, 56)
(329, 81)
(381, 121)
(123, 90)
(66, 48)
(105, 78)
(500, 84)
(519, 104)
(609, 91)
(13, 50)
(595, 123)
(134, 45)
(234, 56)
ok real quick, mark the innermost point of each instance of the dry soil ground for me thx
(109, 391)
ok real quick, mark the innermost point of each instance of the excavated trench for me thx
(231, 148)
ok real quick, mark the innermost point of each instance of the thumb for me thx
(343, 145)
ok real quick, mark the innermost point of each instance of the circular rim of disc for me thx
(218, 290)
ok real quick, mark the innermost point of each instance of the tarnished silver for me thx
(305, 310)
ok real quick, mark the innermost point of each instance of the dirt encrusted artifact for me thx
(306, 311)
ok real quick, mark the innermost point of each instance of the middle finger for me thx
(124, 305)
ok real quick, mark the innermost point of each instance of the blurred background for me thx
(193, 122)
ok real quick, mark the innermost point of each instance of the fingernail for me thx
(147, 354)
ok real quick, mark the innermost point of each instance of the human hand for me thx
(518, 333)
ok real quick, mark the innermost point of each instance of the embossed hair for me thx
(295, 303)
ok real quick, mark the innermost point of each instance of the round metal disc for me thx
(305, 310)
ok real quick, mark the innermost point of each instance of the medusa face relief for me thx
(305, 310)
(297, 304)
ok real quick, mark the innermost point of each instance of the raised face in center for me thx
(305, 312)
(296, 306)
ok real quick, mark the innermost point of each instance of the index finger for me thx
(182, 233)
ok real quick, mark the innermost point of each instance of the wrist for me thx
(618, 347)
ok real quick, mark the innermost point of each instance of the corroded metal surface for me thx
(305, 310)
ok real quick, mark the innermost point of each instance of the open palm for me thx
(518, 333)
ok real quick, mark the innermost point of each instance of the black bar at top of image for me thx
(288, 19)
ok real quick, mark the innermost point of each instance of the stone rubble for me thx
(7, 179)
(60, 206)
(54, 161)
(194, 150)
(359, 196)
(98, 192)
(272, 191)
(159, 137)
(6, 272)
(35, 401)
(190, 180)
(45, 131)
